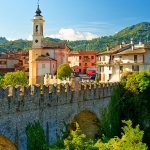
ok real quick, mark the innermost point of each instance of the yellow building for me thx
(44, 58)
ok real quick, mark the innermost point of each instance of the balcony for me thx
(127, 62)
(102, 63)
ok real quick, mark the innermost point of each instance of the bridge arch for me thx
(88, 123)
(6, 144)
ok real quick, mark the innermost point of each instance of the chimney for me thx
(108, 48)
(140, 42)
(131, 41)
(123, 42)
(132, 44)
(121, 45)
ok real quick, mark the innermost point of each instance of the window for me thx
(47, 54)
(121, 68)
(79, 70)
(86, 58)
(109, 76)
(135, 68)
(79, 64)
(135, 58)
(43, 65)
(2, 62)
(112, 57)
(85, 64)
(92, 57)
(101, 69)
(53, 66)
(79, 57)
(103, 58)
(99, 58)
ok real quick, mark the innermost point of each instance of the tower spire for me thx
(38, 11)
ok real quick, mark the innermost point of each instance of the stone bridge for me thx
(50, 105)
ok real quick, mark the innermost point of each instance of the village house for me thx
(23, 63)
(81, 60)
(7, 61)
(125, 57)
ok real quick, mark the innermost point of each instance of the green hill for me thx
(138, 31)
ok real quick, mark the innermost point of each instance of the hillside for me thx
(138, 31)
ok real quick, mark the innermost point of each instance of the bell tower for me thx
(38, 23)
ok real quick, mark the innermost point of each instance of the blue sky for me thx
(72, 19)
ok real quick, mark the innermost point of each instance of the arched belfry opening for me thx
(6, 144)
(88, 123)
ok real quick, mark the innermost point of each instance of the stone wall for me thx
(51, 105)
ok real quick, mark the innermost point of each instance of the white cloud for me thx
(11, 39)
(29, 37)
(72, 35)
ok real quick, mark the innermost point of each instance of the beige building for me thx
(8, 60)
(125, 57)
(44, 57)
(73, 59)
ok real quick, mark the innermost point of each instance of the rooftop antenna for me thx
(38, 2)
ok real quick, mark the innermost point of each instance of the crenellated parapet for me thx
(24, 98)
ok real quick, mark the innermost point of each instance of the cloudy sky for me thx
(71, 19)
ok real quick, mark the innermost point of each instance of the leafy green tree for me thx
(15, 78)
(135, 103)
(78, 141)
(131, 139)
(1, 79)
(138, 82)
(64, 70)
(110, 120)
(35, 137)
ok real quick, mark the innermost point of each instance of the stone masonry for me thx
(50, 105)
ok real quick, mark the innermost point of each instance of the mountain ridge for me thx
(140, 31)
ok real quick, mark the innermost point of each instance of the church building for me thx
(44, 57)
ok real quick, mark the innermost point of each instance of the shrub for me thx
(15, 78)
(64, 70)
(35, 137)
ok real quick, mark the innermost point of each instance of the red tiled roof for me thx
(61, 45)
(134, 51)
(42, 58)
(88, 52)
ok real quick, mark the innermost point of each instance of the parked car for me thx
(90, 71)
(76, 74)
(93, 76)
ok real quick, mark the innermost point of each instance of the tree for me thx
(15, 78)
(135, 103)
(78, 141)
(64, 70)
(137, 82)
(35, 137)
(110, 120)
(131, 139)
